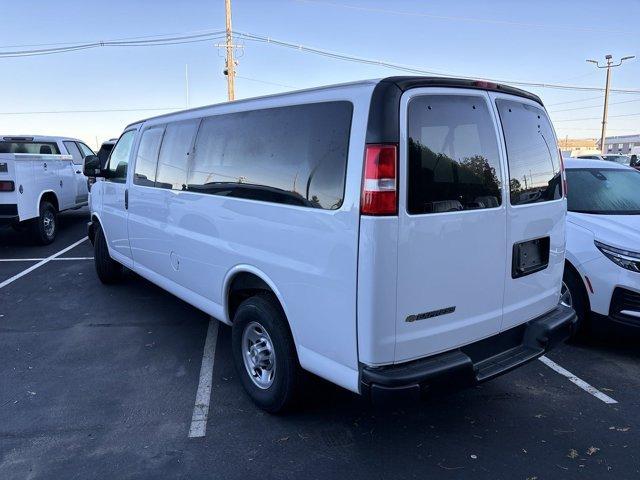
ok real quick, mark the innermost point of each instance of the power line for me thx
(46, 112)
(140, 37)
(212, 35)
(266, 82)
(465, 19)
(412, 69)
(597, 118)
(174, 40)
(594, 106)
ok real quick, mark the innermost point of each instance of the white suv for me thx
(602, 274)
(363, 232)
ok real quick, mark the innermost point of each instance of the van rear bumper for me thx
(473, 363)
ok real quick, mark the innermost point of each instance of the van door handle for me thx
(126, 199)
(78, 171)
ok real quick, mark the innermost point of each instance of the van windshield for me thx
(534, 162)
(603, 191)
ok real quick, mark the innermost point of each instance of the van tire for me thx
(264, 311)
(579, 302)
(109, 271)
(44, 228)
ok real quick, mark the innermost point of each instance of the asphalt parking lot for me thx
(101, 382)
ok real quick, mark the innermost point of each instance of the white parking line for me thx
(39, 259)
(203, 396)
(579, 382)
(41, 263)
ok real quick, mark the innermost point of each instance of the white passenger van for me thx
(388, 235)
(39, 177)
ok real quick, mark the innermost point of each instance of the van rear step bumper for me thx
(473, 363)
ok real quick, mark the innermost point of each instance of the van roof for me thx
(383, 85)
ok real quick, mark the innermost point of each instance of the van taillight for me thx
(379, 185)
(7, 186)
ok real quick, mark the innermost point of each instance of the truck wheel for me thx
(264, 354)
(109, 271)
(45, 227)
(573, 295)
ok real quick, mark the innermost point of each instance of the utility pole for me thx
(230, 66)
(609, 65)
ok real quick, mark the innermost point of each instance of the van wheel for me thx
(45, 227)
(264, 354)
(573, 295)
(109, 271)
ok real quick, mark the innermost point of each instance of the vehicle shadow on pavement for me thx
(68, 223)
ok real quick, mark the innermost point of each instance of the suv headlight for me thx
(623, 258)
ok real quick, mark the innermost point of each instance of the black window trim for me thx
(78, 143)
(404, 153)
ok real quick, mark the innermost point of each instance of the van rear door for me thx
(536, 210)
(452, 222)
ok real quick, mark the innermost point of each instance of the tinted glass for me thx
(534, 162)
(37, 148)
(119, 159)
(603, 191)
(174, 155)
(295, 155)
(74, 151)
(85, 150)
(147, 158)
(453, 155)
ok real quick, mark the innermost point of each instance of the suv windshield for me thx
(603, 191)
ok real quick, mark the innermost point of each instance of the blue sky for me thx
(546, 41)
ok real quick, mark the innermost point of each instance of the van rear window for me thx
(295, 155)
(453, 159)
(37, 148)
(534, 161)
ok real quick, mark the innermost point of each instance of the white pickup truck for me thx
(39, 177)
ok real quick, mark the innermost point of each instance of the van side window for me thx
(453, 159)
(534, 162)
(147, 158)
(295, 155)
(174, 155)
(119, 159)
(85, 150)
(74, 151)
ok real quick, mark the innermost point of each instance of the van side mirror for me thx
(634, 160)
(92, 167)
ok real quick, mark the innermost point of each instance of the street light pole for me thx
(609, 65)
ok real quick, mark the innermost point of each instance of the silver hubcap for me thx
(258, 355)
(49, 222)
(565, 296)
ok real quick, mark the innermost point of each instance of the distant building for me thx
(621, 144)
(572, 147)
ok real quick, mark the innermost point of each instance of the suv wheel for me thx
(45, 227)
(264, 354)
(109, 271)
